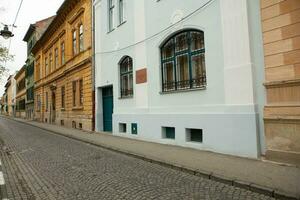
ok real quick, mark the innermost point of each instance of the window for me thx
(74, 39)
(80, 92)
(74, 93)
(63, 96)
(46, 102)
(56, 58)
(194, 135)
(81, 38)
(183, 61)
(46, 66)
(62, 53)
(121, 11)
(38, 72)
(77, 93)
(38, 100)
(168, 132)
(111, 8)
(122, 127)
(126, 77)
(50, 62)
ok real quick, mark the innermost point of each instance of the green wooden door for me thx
(107, 99)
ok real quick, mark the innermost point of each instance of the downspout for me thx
(93, 66)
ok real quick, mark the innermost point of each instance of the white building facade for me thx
(186, 73)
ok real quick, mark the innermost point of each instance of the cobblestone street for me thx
(41, 165)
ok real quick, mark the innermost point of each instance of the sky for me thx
(30, 12)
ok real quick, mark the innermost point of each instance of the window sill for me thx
(78, 108)
(122, 23)
(183, 90)
(63, 109)
(126, 97)
(110, 31)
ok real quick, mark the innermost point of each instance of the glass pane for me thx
(181, 42)
(197, 40)
(129, 64)
(183, 71)
(168, 79)
(168, 50)
(198, 70)
(130, 81)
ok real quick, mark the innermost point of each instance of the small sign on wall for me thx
(141, 76)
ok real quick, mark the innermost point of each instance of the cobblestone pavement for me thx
(41, 165)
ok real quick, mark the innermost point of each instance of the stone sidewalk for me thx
(274, 179)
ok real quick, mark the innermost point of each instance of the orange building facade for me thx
(281, 33)
(63, 68)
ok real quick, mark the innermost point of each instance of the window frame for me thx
(50, 62)
(81, 37)
(74, 42)
(56, 58)
(46, 66)
(47, 102)
(122, 18)
(128, 73)
(63, 97)
(189, 84)
(74, 93)
(80, 91)
(111, 17)
(63, 52)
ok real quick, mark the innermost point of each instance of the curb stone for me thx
(209, 175)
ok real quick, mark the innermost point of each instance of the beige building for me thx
(20, 93)
(281, 34)
(10, 88)
(62, 76)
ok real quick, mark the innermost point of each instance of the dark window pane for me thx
(183, 76)
(197, 41)
(181, 42)
(198, 70)
(169, 77)
(168, 50)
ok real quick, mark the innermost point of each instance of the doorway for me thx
(53, 108)
(107, 99)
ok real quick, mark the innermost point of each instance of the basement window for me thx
(62, 122)
(194, 135)
(168, 132)
(122, 128)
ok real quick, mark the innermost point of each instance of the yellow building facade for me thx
(63, 68)
(281, 34)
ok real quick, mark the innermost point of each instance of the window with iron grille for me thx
(183, 61)
(126, 77)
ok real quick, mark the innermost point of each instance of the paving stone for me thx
(48, 166)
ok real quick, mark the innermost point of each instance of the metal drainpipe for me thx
(93, 65)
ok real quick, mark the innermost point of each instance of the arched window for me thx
(183, 61)
(126, 77)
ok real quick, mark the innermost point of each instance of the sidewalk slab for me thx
(276, 178)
